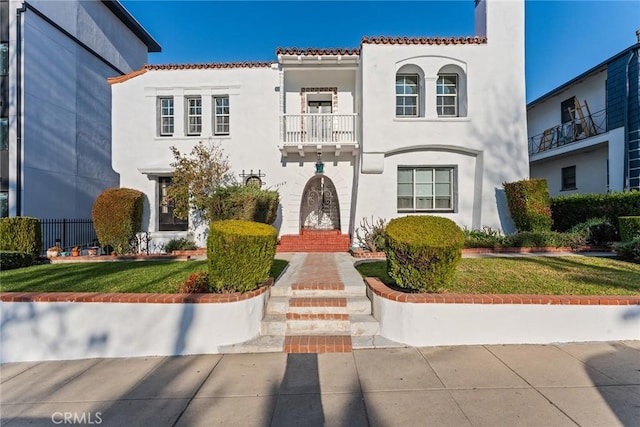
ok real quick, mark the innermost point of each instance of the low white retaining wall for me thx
(435, 320)
(55, 329)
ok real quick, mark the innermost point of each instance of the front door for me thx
(319, 209)
(319, 121)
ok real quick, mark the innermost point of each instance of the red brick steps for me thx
(315, 241)
(317, 344)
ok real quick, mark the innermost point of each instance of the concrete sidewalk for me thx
(594, 384)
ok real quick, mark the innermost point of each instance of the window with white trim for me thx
(407, 95)
(194, 115)
(447, 95)
(165, 116)
(221, 115)
(425, 189)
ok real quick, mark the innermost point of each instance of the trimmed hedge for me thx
(14, 259)
(596, 231)
(239, 254)
(629, 227)
(245, 202)
(568, 211)
(117, 216)
(423, 252)
(529, 204)
(22, 234)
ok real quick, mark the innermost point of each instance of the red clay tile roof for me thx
(317, 51)
(125, 77)
(214, 65)
(423, 40)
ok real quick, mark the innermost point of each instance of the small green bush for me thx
(13, 259)
(629, 227)
(22, 234)
(483, 238)
(181, 244)
(595, 231)
(567, 211)
(117, 216)
(239, 254)
(629, 250)
(529, 204)
(423, 252)
(245, 202)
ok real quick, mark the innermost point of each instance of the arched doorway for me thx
(320, 209)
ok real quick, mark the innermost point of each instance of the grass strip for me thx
(568, 275)
(128, 277)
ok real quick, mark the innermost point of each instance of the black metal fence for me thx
(67, 233)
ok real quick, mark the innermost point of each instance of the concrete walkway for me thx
(596, 384)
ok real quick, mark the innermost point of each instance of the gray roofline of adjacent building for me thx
(127, 19)
(593, 70)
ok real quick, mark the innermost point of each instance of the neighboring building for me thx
(584, 136)
(400, 125)
(55, 120)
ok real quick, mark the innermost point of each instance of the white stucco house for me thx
(429, 125)
(55, 114)
(584, 136)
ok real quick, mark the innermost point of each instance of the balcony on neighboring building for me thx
(575, 130)
(318, 133)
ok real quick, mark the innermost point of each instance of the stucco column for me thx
(430, 111)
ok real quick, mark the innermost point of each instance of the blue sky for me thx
(563, 38)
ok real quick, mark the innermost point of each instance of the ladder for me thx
(581, 124)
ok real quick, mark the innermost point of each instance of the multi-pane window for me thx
(166, 117)
(447, 95)
(407, 95)
(4, 134)
(166, 220)
(194, 115)
(4, 59)
(425, 189)
(569, 178)
(4, 204)
(221, 115)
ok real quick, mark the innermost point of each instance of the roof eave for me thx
(128, 19)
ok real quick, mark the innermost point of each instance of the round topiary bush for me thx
(239, 254)
(117, 216)
(423, 252)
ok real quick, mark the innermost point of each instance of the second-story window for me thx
(447, 95)
(221, 115)
(165, 115)
(407, 95)
(194, 115)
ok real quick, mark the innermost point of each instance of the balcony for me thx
(573, 131)
(318, 133)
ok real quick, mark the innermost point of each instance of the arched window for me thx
(451, 92)
(410, 91)
(253, 180)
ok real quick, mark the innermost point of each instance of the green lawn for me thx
(132, 277)
(570, 275)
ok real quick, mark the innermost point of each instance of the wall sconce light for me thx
(319, 164)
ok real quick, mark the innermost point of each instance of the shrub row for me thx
(529, 204)
(629, 250)
(423, 251)
(245, 202)
(567, 211)
(14, 259)
(117, 216)
(22, 234)
(181, 244)
(239, 254)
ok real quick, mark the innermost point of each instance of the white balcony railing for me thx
(319, 128)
